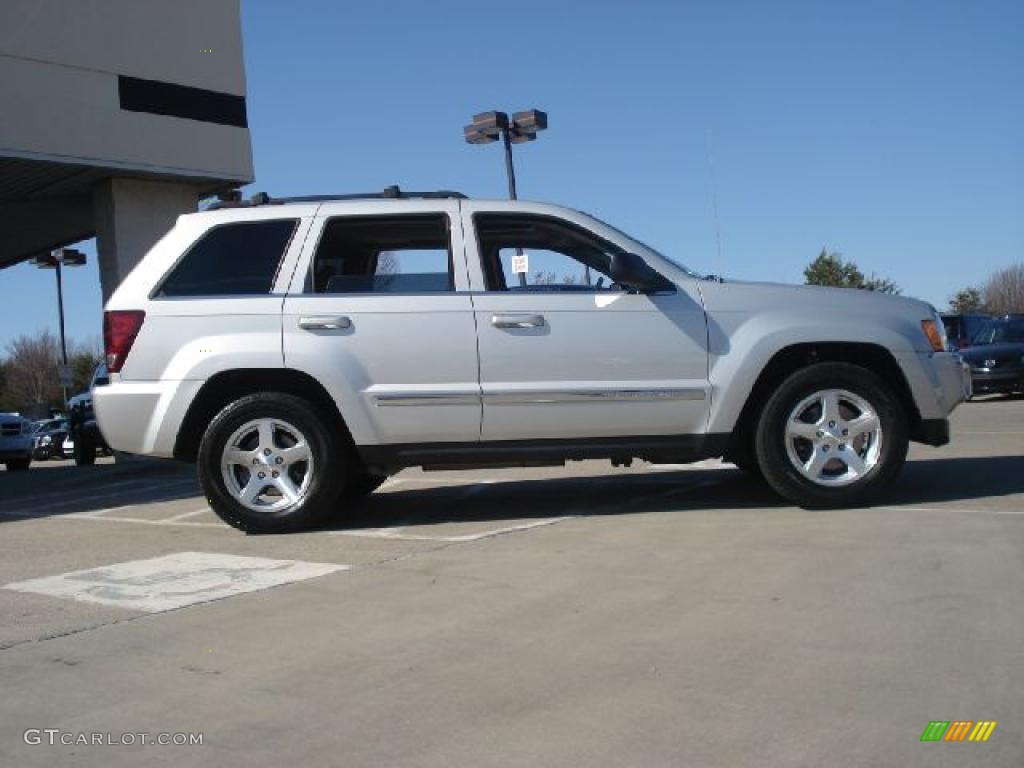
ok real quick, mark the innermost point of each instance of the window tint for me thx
(383, 254)
(1001, 331)
(522, 252)
(233, 259)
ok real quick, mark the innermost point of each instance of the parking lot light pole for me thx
(62, 257)
(487, 127)
(520, 128)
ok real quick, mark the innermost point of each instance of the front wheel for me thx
(17, 465)
(269, 463)
(832, 435)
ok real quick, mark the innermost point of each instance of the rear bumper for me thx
(143, 416)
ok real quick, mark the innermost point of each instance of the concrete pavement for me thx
(578, 616)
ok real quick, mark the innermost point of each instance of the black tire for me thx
(17, 465)
(329, 452)
(770, 440)
(84, 451)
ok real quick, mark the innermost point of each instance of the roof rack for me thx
(389, 193)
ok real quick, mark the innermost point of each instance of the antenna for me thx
(713, 182)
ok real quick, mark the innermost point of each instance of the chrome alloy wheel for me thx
(833, 437)
(267, 465)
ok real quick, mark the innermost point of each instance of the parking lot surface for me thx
(578, 616)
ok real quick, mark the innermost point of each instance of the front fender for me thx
(740, 347)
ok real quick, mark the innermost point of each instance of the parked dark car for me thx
(48, 440)
(961, 329)
(996, 356)
(84, 432)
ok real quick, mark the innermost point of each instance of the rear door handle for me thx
(517, 321)
(324, 323)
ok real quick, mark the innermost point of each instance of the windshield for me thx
(669, 259)
(1007, 330)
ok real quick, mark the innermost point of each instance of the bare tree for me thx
(1004, 290)
(32, 364)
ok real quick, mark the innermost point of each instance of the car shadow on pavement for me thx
(584, 496)
(922, 482)
(51, 491)
(68, 490)
(958, 479)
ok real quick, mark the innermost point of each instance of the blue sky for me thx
(892, 132)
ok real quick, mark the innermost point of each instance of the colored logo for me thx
(958, 730)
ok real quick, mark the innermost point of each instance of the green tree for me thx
(830, 268)
(967, 301)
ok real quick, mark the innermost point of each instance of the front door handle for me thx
(324, 323)
(517, 321)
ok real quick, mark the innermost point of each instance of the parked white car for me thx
(15, 441)
(302, 350)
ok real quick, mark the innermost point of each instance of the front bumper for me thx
(939, 381)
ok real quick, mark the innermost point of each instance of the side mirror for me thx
(633, 273)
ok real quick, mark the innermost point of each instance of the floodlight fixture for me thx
(522, 127)
(530, 122)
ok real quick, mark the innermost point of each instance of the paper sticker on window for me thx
(520, 263)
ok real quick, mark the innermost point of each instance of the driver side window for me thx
(534, 253)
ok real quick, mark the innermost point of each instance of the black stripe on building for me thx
(160, 98)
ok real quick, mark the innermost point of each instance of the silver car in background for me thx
(300, 351)
(16, 441)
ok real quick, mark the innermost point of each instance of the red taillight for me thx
(120, 327)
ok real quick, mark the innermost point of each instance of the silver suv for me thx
(301, 350)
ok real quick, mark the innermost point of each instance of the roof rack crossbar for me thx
(389, 193)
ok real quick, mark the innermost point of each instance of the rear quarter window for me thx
(231, 260)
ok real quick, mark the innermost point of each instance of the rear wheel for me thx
(832, 435)
(17, 465)
(269, 463)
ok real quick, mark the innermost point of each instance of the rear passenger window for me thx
(231, 260)
(383, 254)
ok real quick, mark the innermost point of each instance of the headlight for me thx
(45, 440)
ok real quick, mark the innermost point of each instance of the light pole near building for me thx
(56, 260)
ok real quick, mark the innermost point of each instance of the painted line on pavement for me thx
(959, 510)
(395, 533)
